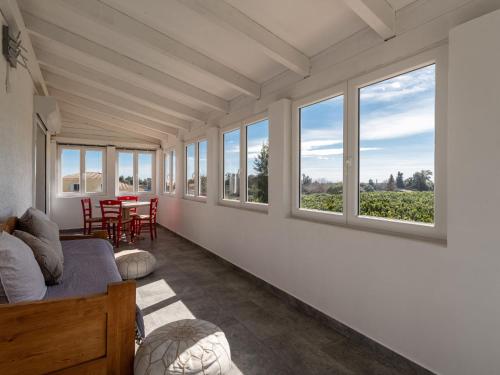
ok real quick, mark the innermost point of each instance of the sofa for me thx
(84, 324)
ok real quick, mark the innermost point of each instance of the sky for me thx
(396, 130)
(71, 161)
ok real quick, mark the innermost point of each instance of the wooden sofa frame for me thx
(90, 335)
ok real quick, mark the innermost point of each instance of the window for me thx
(396, 147)
(81, 170)
(190, 169)
(196, 169)
(322, 155)
(202, 167)
(257, 162)
(169, 172)
(135, 171)
(232, 165)
(145, 172)
(252, 137)
(368, 151)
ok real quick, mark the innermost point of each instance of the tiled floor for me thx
(266, 335)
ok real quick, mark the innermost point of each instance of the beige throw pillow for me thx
(46, 257)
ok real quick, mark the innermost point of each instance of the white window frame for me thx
(136, 172)
(82, 192)
(242, 201)
(170, 154)
(196, 196)
(350, 88)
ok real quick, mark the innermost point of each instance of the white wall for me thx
(16, 137)
(437, 305)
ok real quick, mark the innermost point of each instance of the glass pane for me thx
(145, 172)
(202, 167)
(257, 161)
(396, 160)
(232, 165)
(322, 155)
(93, 171)
(126, 172)
(167, 172)
(190, 173)
(173, 172)
(70, 170)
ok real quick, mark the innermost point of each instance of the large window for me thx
(135, 171)
(257, 162)
(231, 163)
(202, 168)
(396, 147)
(81, 170)
(169, 172)
(196, 169)
(322, 155)
(252, 140)
(190, 169)
(376, 165)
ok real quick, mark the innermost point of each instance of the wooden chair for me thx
(113, 221)
(148, 220)
(88, 220)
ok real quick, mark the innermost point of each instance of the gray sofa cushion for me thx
(20, 275)
(39, 225)
(89, 265)
(46, 257)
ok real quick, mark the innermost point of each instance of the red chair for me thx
(128, 198)
(148, 220)
(88, 220)
(113, 222)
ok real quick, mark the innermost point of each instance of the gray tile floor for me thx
(266, 335)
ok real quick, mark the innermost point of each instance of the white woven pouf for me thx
(134, 264)
(188, 346)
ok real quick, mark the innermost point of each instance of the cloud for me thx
(324, 153)
(399, 125)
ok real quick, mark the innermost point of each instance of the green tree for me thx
(261, 164)
(400, 184)
(391, 184)
(372, 184)
(306, 180)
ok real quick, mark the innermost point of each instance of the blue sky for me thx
(71, 161)
(396, 130)
(202, 150)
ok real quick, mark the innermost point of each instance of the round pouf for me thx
(134, 264)
(188, 346)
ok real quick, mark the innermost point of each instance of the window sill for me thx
(373, 225)
(86, 195)
(256, 207)
(195, 198)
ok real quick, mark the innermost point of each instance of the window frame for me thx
(135, 172)
(170, 152)
(350, 88)
(242, 127)
(330, 217)
(196, 196)
(82, 150)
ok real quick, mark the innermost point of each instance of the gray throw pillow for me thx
(39, 225)
(20, 275)
(46, 257)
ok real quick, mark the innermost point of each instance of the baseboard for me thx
(400, 362)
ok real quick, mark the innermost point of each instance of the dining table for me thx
(127, 205)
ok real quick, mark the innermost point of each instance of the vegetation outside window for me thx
(196, 169)
(167, 172)
(202, 167)
(125, 172)
(145, 172)
(190, 169)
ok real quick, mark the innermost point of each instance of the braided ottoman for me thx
(188, 346)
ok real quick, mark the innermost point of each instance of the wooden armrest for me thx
(102, 234)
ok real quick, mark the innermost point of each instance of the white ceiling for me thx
(173, 62)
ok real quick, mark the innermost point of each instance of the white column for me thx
(279, 158)
(213, 166)
(111, 187)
